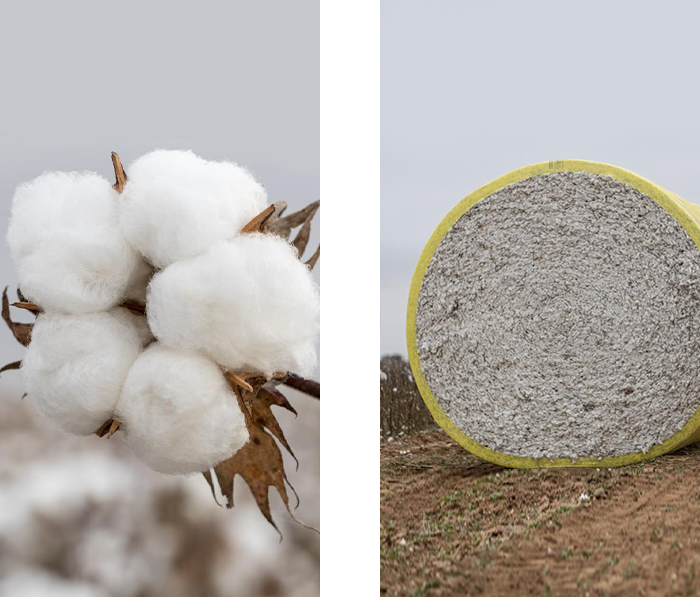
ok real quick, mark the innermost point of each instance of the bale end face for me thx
(553, 319)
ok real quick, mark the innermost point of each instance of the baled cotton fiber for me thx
(65, 239)
(558, 318)
(248, 303)
(75, 366)
(179, 413)
(176, 205)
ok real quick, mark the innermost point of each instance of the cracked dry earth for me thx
(454, 525)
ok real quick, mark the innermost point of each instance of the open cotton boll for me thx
(176, 205)
(248, 303)
(178, 412)
(75, 366)
(65, 239)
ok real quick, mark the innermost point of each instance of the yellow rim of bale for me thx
(686, 214)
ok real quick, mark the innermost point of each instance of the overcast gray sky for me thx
(473, 89)
(229, 80)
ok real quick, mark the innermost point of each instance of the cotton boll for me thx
(176, 205)
(75, 366)
(248, 303)
(65, 239)
(178, 412)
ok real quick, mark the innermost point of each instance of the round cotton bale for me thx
(554, 318)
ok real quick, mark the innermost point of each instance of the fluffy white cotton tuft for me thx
(75, 366)
(178, 412)
(65, 239)
(176, 205)
(248, 303)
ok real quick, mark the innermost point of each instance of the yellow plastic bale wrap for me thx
(685, 213)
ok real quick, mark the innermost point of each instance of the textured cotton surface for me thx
(65, 239)
(248, 303)
(559, 318)
(178, 412)
(75, 366)
(176, 205)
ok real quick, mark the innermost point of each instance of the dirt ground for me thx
(454, 525)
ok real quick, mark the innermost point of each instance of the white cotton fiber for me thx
(179, 413)
(248, 303)
(177, 205)
(75, 366)
(65, 240)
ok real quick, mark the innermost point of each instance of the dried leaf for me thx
(210, 482)
(262, 415)
(21, 331)
(11, 366)
(283, 226)
(119, 173)
(280, 208)
(302, 238)
(314, 258)
(260, 461)
(259, 222)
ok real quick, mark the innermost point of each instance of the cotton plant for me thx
(169, 307)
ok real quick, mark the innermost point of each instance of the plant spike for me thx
(11, 366)
(100, 432)
(119, 173)
(33, 307)
(239, 380)
(108, 428)
(259, 222)
(113, 428)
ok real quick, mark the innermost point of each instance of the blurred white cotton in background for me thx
(248, 303)
(75, 366)
(176, 205)
(37, 583)
(178, 412)
(65, 239)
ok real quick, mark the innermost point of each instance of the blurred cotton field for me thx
(82, 517)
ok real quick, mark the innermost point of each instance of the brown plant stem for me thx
(308, 386)
(119, 173)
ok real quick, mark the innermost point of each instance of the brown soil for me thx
(454, 525)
